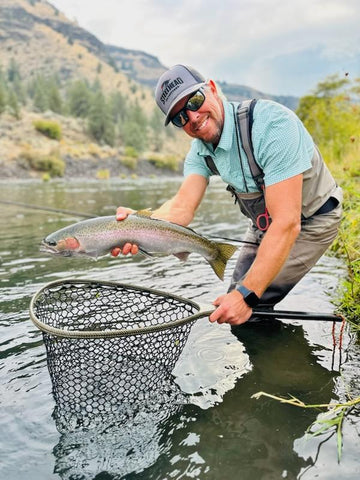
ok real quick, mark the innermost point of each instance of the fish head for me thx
(66, 246)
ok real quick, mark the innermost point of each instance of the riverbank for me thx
(92, 168)
(27, 153)
(347, 245)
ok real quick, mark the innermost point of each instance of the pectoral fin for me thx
(182, 256)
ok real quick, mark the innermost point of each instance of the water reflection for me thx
(130, 440)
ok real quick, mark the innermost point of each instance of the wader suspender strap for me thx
(244, 124)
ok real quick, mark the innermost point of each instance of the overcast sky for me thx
(276, 46)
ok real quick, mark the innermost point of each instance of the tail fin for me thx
(225, 252)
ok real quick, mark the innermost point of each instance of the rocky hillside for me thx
(41, 41)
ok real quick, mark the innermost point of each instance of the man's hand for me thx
(231, 309)
(121, 214)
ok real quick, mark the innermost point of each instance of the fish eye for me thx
(51, 243)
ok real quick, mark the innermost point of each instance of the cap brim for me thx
(183, 94)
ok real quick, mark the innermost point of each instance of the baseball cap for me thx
(175, 84)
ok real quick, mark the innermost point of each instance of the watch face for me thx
(250, 297)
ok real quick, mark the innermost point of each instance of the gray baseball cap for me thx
(175, 84)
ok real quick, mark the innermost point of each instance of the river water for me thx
(213, 428)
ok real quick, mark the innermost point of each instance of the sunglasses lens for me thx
(195, 102)
(180, 119)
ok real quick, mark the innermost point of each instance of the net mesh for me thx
(127, 341)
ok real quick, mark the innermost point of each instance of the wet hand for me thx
(121, 214)
(231, 309)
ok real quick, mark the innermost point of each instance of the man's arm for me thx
(179, 209)
(182, 207)
(283, 201)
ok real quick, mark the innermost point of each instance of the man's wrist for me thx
(249, 296)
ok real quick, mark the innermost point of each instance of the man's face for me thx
(207, 122)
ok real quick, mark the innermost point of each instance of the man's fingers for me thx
(123, 212)
(134, 249)
(121, 215)
(127, 248)
(216, 315)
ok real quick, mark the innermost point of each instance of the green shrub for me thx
(170, 162)
(129, 162)
(48, 128)
(50, 164)
(103, 174)
(131, 152)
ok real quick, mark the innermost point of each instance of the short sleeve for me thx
(195, 163)
(282, 145)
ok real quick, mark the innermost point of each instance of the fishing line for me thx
(48, 209)
(91, 215)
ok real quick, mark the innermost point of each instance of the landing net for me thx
(109, 343)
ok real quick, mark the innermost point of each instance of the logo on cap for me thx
(168, 87)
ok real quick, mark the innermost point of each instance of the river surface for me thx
(212, 428)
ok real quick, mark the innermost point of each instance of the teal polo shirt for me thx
(282, 146)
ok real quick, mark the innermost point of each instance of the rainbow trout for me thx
(98, 236)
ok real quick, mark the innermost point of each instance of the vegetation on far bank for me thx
(332, 115)
(82, 121)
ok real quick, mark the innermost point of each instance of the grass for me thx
(347, 244)
(332, 419)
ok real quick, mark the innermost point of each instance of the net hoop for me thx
(200, 310)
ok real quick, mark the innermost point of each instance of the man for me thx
(300, 204)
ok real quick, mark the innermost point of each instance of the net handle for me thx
(203, 310)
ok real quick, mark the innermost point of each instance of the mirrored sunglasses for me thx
(180, 119)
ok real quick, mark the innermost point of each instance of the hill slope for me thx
(42, 40)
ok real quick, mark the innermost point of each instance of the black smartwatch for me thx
(250, 297)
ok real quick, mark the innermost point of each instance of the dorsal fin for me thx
(147, 212)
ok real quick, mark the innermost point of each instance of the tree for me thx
(118, 106)
(3, 97)
(55, 103)
(40, 97)
(100, 123)
(331, 86)
(134, 135)
(14, 104)
(19, 90)
(136, 114)
(79, 99)
(157, 128)
(331, 116)
(13, 71)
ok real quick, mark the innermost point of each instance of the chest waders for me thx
(252, 205)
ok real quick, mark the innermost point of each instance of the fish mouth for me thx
(45, 247)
